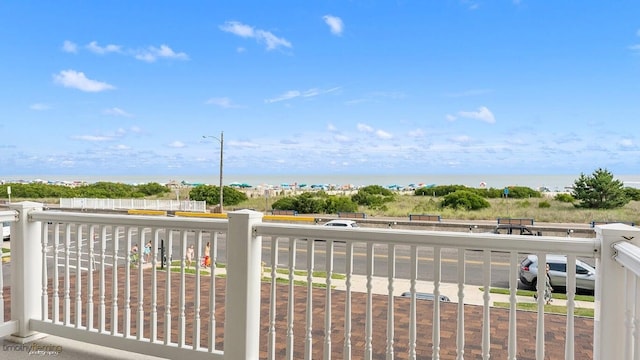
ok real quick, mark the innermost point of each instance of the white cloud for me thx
(177, 144)
(238, 29)
(78, 80)
(635, 47)
(331, 127)
(117, 112)
(92, 138)
(461, 139)
(223, 102)
(341, 138)
(271, 41)
(39, 107)
(364, 128)
(97, 49)
(122, 147)
(286, 96)
(416, 133)
(335, 24)
(383, 134)
(626, 143)
(482, 114)
(152, 53)
(450, 117)
(291, 94)
(69, 47)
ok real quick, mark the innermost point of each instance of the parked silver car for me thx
(585, 273)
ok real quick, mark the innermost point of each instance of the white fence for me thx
(142, 204)
(72, 276)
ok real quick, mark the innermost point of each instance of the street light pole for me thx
(221, 140)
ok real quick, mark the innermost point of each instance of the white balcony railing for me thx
(71, 275)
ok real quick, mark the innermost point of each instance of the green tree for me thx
(464, 200)
(211, 194)
(373, 196)
(336, 204)
(599, 191)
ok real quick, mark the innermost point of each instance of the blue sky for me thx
(309, 87)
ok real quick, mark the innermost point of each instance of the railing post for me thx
(26, 271)
(609, 312)
(242, 302)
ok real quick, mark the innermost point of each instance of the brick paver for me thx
(526, 321)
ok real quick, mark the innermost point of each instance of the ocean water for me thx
(552, 182)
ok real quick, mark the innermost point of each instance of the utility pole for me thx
(221, 141)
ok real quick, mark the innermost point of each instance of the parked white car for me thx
(341, 223)
(585, 273)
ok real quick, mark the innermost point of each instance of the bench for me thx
(357, 215)
(424, 217)
(594, 223)
(284, 212)
(515, 221)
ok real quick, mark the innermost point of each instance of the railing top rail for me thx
(628, 255)
(8, 215)
(585, 247)
(185, 223)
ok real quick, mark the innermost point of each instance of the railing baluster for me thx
(167, 288)
(291, 303)
(127, 283)
(45, 276)
(569, 350)
(308, 347)
(437, 279)
(327, 306)
(196, 310)
(153, 336)
(115, 313)
(103, 254)
(391, 275)
(368, 348)
(271, 351)
(486, 311)
(413, 276)
(212, 291)
(54, 280)
(542, 263)
(140, 314)
(347, 302)
(181, 302)
(513, 306)
(67, 275)
(90, 270)
(460, 331)
(78, 288)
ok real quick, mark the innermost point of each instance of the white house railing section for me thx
(126, 204)
(73, 274)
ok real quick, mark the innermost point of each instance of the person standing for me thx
(147, 252)
(547, 287)
(207, 255)
(190, 252)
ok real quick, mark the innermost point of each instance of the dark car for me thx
(515, 229)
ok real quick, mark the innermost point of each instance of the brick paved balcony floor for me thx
(526, 328)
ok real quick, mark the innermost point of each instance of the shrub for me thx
(567, 198)
(373, 196)
(544, 205)
(464, 200)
